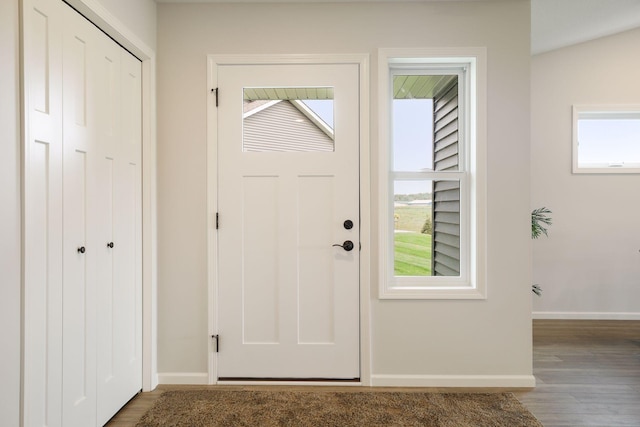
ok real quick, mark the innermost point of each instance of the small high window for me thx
(606, 139)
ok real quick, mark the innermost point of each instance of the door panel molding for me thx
(362, 61)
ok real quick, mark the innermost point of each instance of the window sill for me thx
(606, 169)
(425, 293)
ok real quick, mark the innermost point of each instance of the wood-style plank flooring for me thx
(587, 373)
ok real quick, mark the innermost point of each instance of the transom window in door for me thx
(294, 119)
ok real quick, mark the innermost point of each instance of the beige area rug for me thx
(204, 408)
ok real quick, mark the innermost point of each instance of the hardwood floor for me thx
(587, 373)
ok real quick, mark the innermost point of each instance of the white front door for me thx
(288, 193)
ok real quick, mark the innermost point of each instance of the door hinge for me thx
(217, 221)
(215, 91)
(217, 338)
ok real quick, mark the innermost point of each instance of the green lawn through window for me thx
(412, 248)
(412, 254)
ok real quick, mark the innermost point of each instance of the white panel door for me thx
(108, 126)
(42, 215)
(119, 287)
(82, 221)
(102, 315)
(288, 299)
(79, 248)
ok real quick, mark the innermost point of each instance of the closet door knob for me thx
(110, 245)
(81, 250)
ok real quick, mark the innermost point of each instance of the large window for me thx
(433, 174)
(606, 139)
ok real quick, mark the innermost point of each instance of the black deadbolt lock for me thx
(348, 224)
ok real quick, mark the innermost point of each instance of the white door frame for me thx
(105, 21)
(362, 60)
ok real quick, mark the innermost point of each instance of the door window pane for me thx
(288, 119)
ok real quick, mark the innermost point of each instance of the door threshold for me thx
(348, 380)
(290, 381)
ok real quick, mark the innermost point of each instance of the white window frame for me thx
(471, 284)
(602, 112)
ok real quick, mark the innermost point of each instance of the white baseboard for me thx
(509, 381)
(584, 315)
(190, 378)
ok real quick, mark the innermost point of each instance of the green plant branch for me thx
(540, 220)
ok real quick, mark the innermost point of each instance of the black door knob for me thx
(110, 245)
(81, 250)
(347, 245)
(348, 224)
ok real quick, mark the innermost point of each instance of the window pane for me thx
(446, 227)
(288, 119)
(609, 142)
(412, 134)
(425, 123)
(412, 228)
(427, 228)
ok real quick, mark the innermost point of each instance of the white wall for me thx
(589, 267)
(139, 16)
(9, 215)
(416, 338)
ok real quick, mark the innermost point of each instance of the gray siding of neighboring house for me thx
(445, 259)
(282, 127)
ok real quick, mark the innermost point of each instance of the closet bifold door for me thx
(81, 227)
(42, 214)
(82, 220)
(119, 314)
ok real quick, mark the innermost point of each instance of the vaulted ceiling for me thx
(560, 23)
